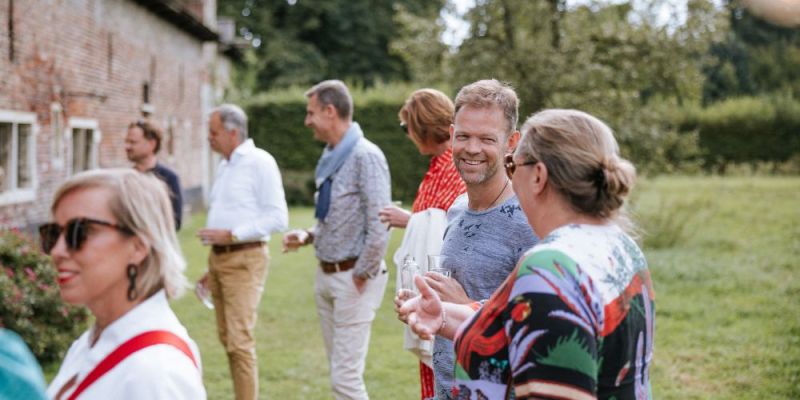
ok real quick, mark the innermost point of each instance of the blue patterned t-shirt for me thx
(480, 248)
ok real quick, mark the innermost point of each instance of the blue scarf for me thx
(329, 163)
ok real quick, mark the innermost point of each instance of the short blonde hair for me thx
(429, 114)
(491, 93)
(140, 203)
(582, 160)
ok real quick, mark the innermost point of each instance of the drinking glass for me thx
(204, 294)
(409, 269)
(435, 265)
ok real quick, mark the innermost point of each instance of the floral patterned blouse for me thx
(574, 320)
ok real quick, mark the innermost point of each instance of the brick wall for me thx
(92, 57)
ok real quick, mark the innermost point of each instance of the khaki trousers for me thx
(236, 280)
(345, 316)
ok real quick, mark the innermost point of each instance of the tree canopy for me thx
(303, 42)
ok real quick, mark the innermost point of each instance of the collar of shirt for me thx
(240, 150)
(442, 160)
(131, 323)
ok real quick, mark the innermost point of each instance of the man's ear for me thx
(234, 132)
(152, 144)
(513, 139)
(330, 111)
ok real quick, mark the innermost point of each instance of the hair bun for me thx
(619, 176)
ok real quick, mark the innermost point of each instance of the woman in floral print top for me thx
(575, 319)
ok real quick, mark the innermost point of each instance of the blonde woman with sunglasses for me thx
(113, 243)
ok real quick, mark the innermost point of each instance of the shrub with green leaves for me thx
(276, 124)
(747, 130)
(30, 304)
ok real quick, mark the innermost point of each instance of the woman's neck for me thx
(556, 213)
(108, 311)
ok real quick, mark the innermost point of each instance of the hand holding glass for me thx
(204, 294)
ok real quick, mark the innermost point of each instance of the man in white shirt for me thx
(246, 205)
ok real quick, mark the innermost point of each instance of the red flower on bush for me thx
(30, 304)
(521, 311)
(31, 274)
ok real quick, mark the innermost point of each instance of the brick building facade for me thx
(75, 73)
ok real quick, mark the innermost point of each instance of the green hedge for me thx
(747, 129)
(276, 124)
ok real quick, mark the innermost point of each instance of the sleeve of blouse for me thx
(553, 351)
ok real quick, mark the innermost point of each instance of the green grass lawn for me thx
(727, 300)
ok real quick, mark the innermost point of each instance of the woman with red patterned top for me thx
(425, 118)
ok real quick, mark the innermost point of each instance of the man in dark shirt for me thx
(141, 146)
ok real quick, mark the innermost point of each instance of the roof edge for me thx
(176, 15)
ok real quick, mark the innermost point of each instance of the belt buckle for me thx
(337, 266)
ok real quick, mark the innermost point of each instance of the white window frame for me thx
(17, 195)
(84, 123)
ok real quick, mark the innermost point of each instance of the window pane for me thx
(5, 156)
(78, 137)
(24, 162)
(88, 142)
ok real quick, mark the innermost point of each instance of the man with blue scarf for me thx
(353, 184)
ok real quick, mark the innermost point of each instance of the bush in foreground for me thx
(30, 304)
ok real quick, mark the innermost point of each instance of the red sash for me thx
(131, 346)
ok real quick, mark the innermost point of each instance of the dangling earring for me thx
(132, 272)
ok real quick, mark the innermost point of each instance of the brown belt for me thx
(229, 248)
(329, 268)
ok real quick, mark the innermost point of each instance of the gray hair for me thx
(333, 92)
(140, 203)
(232, 117)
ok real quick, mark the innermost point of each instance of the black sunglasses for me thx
(75, 233)
(404, 127)
(511, 166)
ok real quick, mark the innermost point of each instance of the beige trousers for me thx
(345, 316)
(236, 281)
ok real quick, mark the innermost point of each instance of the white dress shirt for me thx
(247, 196)
(156, 372)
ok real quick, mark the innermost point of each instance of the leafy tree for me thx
(600, 57)
(756, 57)
(302, 42)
